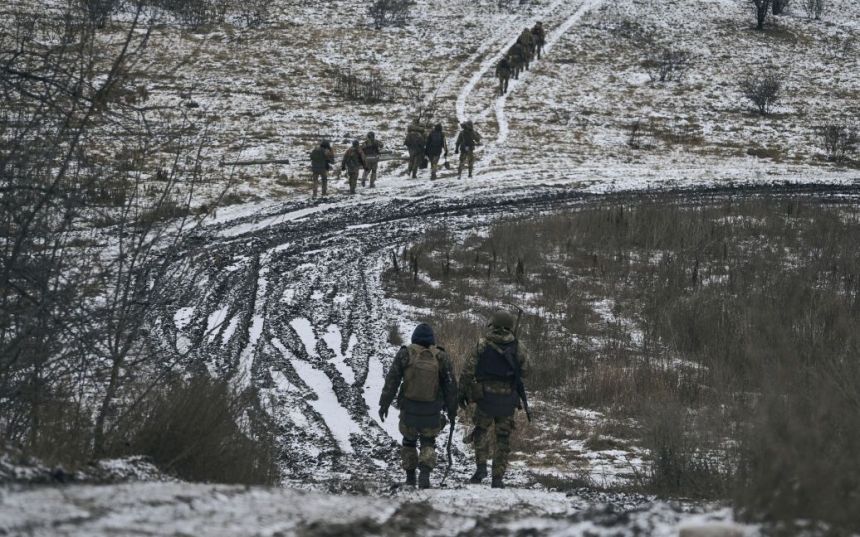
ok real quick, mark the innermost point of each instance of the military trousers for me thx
(352, 177)
(415, 156)
(467, 158)
(502, 427)
(434, 166)
(320, 176)
(370, 169)
(503, 84)
(410, 456)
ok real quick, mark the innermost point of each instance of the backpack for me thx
(434, 140)
(414, 140)
(468, 138)
(421, 375)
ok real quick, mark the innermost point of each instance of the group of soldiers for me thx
(529, 46)
(366, 155)
(422, 382)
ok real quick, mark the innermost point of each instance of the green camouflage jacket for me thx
(394, 381)
(467, 375)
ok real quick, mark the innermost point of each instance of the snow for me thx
(305, 330)
(334, 340)
(183, 317)
(338, 420)
(214, 322)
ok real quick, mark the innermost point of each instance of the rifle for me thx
(448, 450)
(515, 366)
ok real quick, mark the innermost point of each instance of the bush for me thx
(762, 91)
(839, 140)
(390, 12)
(203, 429)
(814, 8)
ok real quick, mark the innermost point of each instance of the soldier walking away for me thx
(503, 72)
(539, 35)
(353, 161)
(487, 380)
(517, 59)
(465, 145)
(427, 388)
(322, 157)
(415, 144)
(436, 145)
(371, 149)
(528, 45)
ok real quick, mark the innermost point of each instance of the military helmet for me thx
(355, 143)
(502, 319)
(468, 124)
(326, 144)
(370, 135)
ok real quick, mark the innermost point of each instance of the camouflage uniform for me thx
(528, 44)
(436, 144)
(503, 72)
(465, 145)
(539, 35)
(415, 147)
(446, 400)
(353, 161)
(371, 148)
(517, 59)
(472, 387)
(322, 158)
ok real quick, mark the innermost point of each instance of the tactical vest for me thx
(493, 366)
(434, 143)
(414, 140)
(468, 139)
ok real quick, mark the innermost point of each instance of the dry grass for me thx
(726, 329)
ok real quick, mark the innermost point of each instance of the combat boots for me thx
(423, 477)
(498, 482)
(410, 478)
(479, 474)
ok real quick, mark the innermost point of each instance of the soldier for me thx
(487, 381)
(322, 158)
(503, 72)
(539, 35)
(436, 144)
(372, 148)
(353, 160)
(428, 387)
(415, 144)
(528, 44)
(516, 55)
(465, 145)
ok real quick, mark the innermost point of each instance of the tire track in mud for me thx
(304, 297)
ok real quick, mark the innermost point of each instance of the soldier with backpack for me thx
(353, 160)
(465, 145)
(415, 144)
(488, 380)
(516, 55)
(436, 144)
(539, 35)
(528, 45)
(503, 72)
(322, 158)
(371, 149)
(421, 380)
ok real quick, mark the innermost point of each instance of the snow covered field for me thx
(292, 301)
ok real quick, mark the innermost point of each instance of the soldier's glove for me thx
(343, 168)
(452, 417)
(383, 413)
(456, 151)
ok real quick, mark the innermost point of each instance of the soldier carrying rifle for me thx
(492, 380)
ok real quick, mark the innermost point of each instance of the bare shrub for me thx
(203, 429)
(369, 87)
(763, 91)
(99, 12)
(386, 13)
(666, 64)
(780, 6)
(814, 8)
(838, 47)
(640, 134)
(839, 140)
